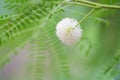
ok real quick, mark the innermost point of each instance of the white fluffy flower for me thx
(68, 31)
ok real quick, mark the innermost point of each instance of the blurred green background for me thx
(103, 34)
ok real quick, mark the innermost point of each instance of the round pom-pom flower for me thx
(68, 31)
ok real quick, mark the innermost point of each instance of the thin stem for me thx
(86, 16)
(90, 4)
(98, 4)
(82, 4)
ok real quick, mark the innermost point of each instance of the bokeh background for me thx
(105, 38)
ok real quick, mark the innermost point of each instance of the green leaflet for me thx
(28, 19)
(15, 25)
(12, 26)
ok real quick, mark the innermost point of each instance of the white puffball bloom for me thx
(68, 31)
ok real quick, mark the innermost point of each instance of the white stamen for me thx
(68, 31)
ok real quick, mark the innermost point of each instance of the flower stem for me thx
(81, 4)
(86, 16)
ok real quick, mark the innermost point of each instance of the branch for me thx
(93, 4)
(98, 4)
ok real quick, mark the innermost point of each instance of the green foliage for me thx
(29, 19)
(33, 22)
(14, 25)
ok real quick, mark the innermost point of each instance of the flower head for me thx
(68, 31)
